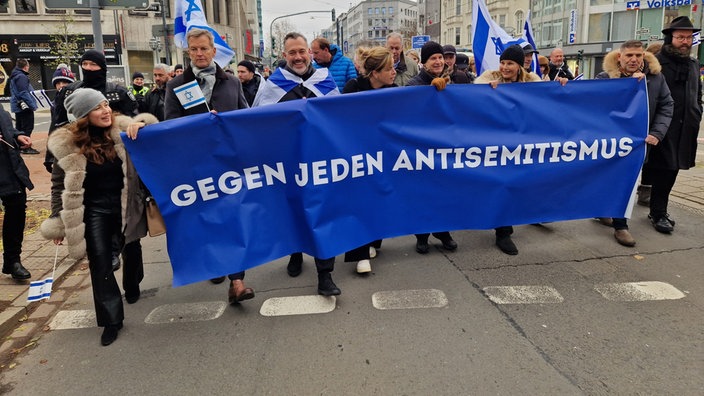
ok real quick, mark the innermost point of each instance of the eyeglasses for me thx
(683, 38)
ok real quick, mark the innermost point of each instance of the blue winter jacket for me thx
(341, 67)
(21, 89)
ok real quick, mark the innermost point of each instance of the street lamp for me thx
(155, 45)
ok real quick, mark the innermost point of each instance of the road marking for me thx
(297, 305)
(409, 299)
(639, 291)
(74, 319)
(523, 295)
(186, 312)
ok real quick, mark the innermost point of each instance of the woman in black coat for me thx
(376, 72)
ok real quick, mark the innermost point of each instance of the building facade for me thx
(29, 29)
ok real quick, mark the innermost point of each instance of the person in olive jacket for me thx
(14, 182)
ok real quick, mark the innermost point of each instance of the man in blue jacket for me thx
(330, 56)
(22, 103)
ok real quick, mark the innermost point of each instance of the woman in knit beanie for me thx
(96, 197)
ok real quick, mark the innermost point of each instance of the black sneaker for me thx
(661, 224)
(506, 245)
(29, 151)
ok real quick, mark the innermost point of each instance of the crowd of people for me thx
(98, 200)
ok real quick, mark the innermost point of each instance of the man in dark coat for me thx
(222, 92)
(22, 102)
(250, 79)
(298, 79)
(14, 182)
(558, 67)
(450, 56)
(679, 148)
(633, 61)
(154, 101)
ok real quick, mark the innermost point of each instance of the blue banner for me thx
(325, 175)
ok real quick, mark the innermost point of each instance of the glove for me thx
(440, 82)
(23, 105)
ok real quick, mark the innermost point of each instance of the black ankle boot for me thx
(326, 287)
(110, 334)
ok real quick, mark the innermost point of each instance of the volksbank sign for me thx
(667, 3)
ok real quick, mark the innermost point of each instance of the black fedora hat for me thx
(680, 23)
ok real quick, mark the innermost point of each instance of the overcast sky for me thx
(309, 25)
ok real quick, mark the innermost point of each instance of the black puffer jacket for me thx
(679, 149)
(14, 175)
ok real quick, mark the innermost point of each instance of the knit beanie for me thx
(137, 75)
(249, 65)
(429, 49)
(178, 67)
(62, 74)
(513, 53)
(82, 101)
(95, 56)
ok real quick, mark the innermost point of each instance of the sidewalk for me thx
(20, 321)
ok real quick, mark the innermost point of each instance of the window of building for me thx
(216, 11)
(376, 10)
(458, 7)
(26, 6)
(519, 20)
(4, 9)
(599, 26)
(52, 11)
(502, 20)
(458, 31)
(469, 33)
(624, 26)
(383, 10)
(370, 22)
(370, 34)
(391, 10)
(370, 11)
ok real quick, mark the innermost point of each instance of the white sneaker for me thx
(372, 252)
(364, 266)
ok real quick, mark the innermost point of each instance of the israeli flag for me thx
(42, 98)
(190, 95)
(528, 36)
(40, 290)
(489, 39)
(189, 14)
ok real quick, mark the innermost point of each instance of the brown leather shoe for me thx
(607, 221)
(624, 238)
(238, 292)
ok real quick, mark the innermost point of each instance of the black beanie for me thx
(513, 53)
(137, 75)
(249, 65)
(97, 57)
(178, 67)
(429, 49)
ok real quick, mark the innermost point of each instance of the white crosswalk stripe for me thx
(639, 291)
(186, 312)
(523, 294)
(297, 305)
(409, 299)
(73, 319)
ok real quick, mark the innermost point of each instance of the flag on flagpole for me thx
(528, 36)
(189, 14)
(489, 39)
(190, 95)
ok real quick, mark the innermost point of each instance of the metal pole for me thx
(97, 31)
(166, 32)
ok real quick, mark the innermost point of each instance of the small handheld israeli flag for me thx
(190, 95)
(41, 289)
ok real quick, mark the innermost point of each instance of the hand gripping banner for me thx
(326, 175)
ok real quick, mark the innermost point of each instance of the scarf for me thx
(679, 60)
(95, 79)
(206, 79)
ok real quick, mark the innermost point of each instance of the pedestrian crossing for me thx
(382, 300)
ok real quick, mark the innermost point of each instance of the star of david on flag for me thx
(489, 39)
(190, 95)
(189, 14)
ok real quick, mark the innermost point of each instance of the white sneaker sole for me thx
(364, 266)
(372, 252)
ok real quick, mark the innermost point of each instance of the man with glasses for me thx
(679, 147)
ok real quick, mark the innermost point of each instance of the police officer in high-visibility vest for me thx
(137, 88)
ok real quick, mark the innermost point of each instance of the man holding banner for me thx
(299, 80)
(633, 61)
(203, 87)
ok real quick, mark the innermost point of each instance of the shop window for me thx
(26, 6)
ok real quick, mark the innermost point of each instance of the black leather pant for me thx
(13, 226)
(662, 181)
(101, 226)
(132, 268)
(443, 236)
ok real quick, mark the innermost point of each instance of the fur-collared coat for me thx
(495, 75)
(66, 220)
(660, 103)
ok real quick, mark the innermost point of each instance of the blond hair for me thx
(374, 59)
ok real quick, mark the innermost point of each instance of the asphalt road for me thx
(570, 339)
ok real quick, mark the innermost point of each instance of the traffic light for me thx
(273, 43)
(333, 15)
